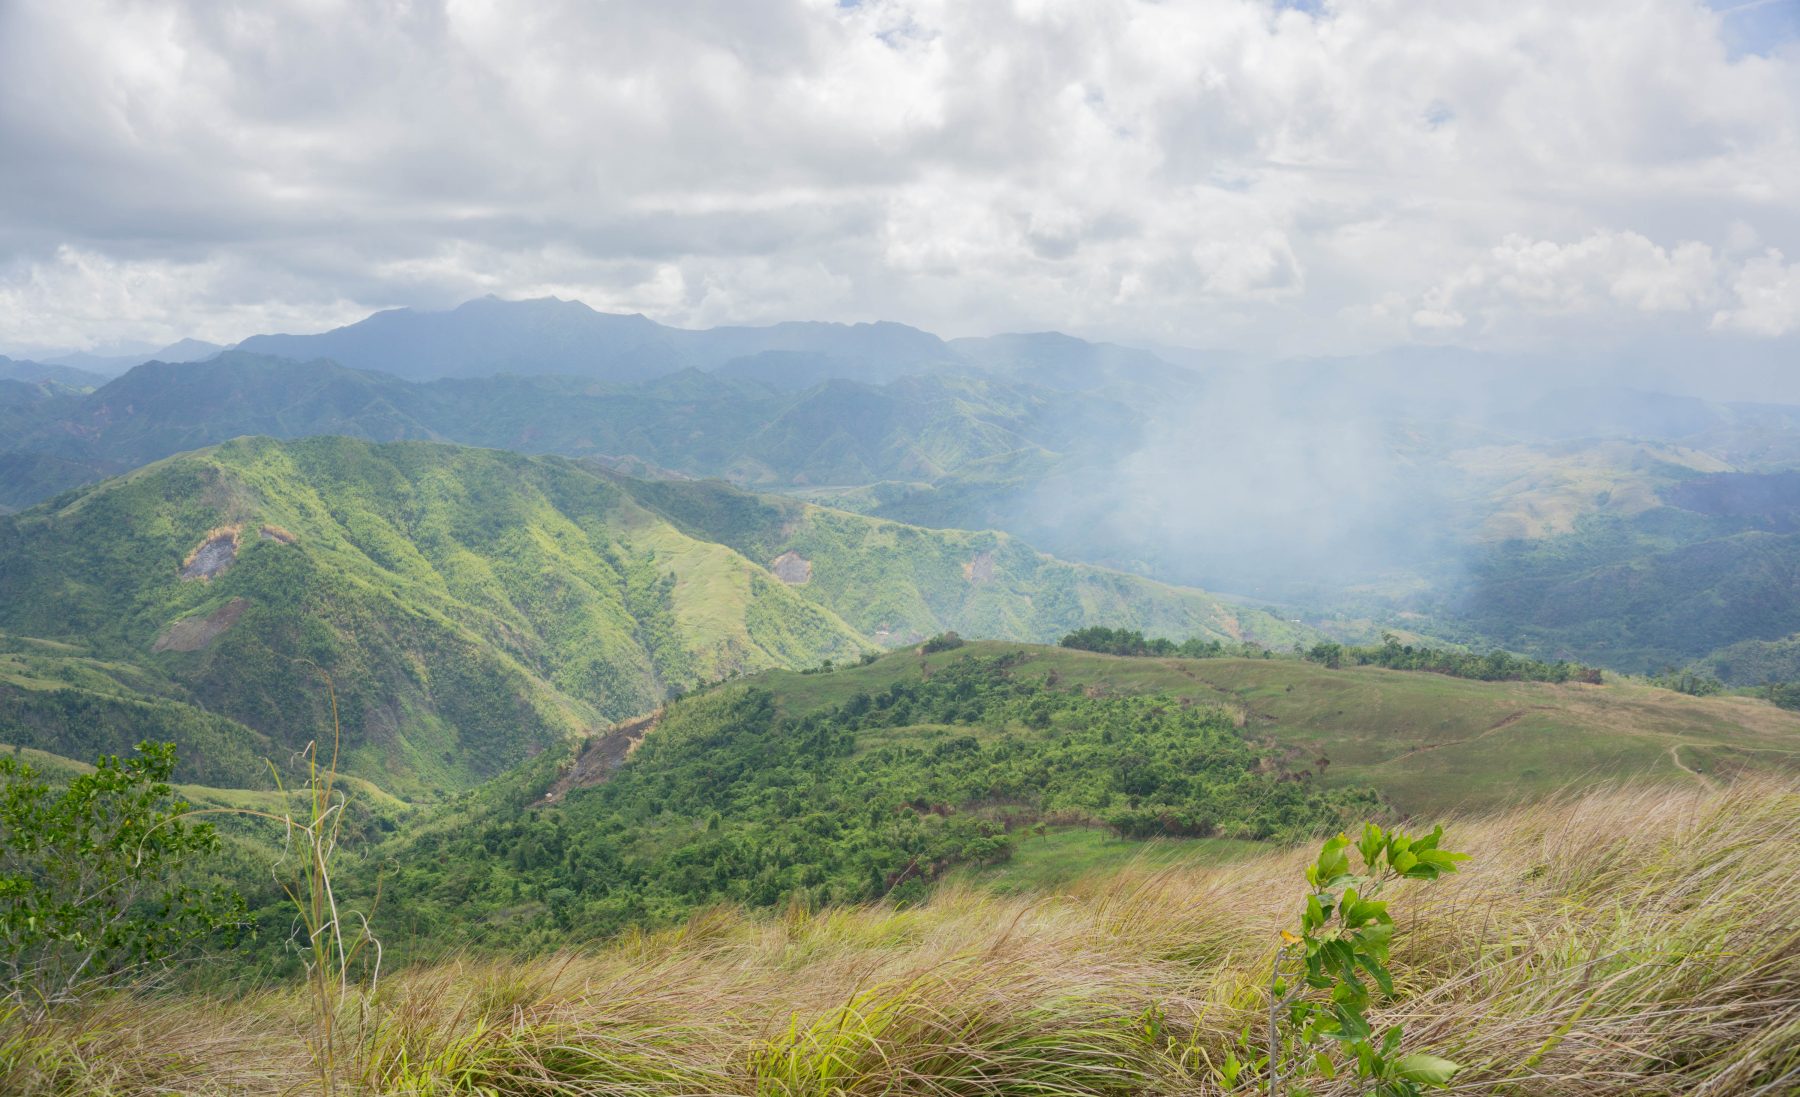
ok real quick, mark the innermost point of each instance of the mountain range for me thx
(473, 606)
(1454, 492)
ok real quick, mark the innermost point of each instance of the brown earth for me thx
(980, 569)
(194, 633)
(213, 555)
(792, 568)
(602, 756)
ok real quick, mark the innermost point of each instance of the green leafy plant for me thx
(91, 892)
(1326, 975)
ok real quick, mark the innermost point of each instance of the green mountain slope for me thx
(874, 780)
(897, 583)
(1707, 562)
(474, 607)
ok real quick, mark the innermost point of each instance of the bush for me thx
(1688, 682)
(89, 888)
(1110, 641)
(943, 641)
(1495, 666)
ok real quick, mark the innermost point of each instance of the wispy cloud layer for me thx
(1211, 172)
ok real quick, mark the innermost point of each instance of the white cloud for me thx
(1601, 274)
(1207, 171)
(1767, 292)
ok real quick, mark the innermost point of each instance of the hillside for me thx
(1016, 766)
(1625, 528)
(1701, 563)
(1626, 943)
(1430, 744)
(474, 607)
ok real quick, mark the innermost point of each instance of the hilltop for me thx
(1429, 743)
(475, 607)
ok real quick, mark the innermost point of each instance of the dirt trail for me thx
(1675, 756)
(1501, 724)
(602, 755)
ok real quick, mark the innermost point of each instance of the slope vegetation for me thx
(997, 761)
(473, 607)
(1632, 943)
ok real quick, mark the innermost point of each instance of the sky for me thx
(1271, 178)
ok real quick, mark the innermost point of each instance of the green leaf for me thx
(1352, 1025)
(1382, 978)
(1428, 1069)
(1375, 936)
(1332, 861)
(1443, 860)
(1315, 914)
(1372, 843)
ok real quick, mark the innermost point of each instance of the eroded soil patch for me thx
(980, 569)
(792, 568)
(213, 555)
(194, 633)
(602, 756)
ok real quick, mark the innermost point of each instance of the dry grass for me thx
(1638, 941)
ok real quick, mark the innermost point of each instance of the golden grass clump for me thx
(1638, 941)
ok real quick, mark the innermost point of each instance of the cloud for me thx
(1603, 273)
(1227, 172)
(1767, 294)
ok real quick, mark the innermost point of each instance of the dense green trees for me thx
(1118, 641)
(732, 799)
(1692, 683)
(1495, 666)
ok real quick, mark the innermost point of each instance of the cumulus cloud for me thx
(1215, 172)
(1767, 291)
(1606, 272)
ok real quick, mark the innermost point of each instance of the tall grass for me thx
(1636, 941)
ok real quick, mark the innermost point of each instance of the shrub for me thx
(90, 890)
(1318, 1026)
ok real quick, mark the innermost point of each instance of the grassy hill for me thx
(1017, 767)
(474, 607)
(1631, 943)
(1429, 743)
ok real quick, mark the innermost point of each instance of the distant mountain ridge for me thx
(552, 336)
(832, 432)
(17, 369)
(111, 365)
